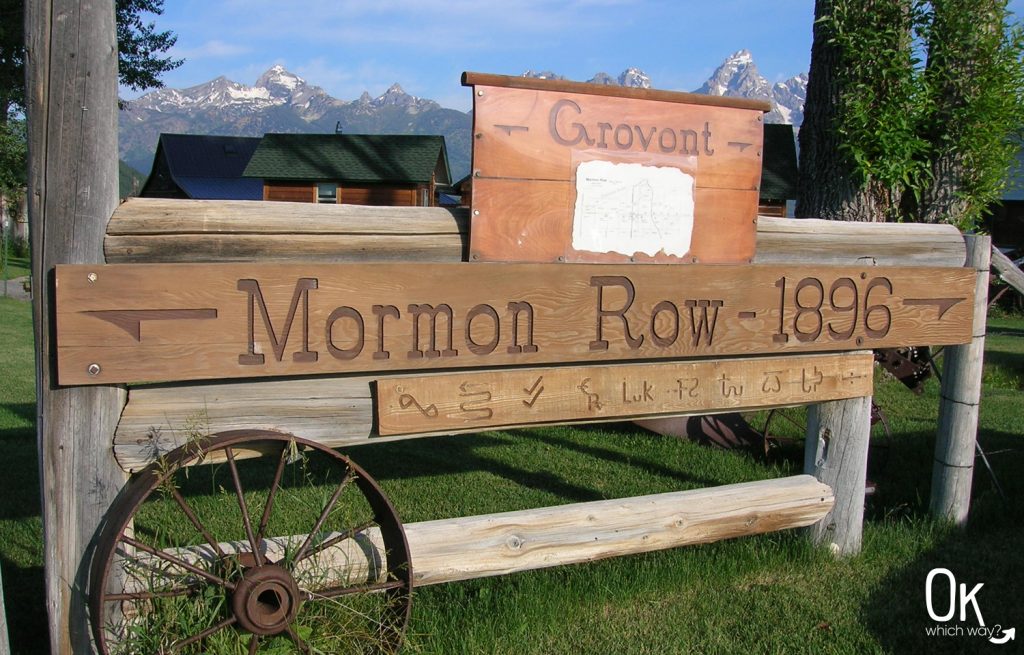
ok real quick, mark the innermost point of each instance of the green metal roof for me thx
(370, 158)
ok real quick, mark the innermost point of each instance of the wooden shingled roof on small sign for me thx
(565, 86)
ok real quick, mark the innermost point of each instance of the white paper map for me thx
(631, 208)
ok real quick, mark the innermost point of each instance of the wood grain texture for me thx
(532, 221)
(1007, 270)
(529, 140)
(172, 226)
(71, 94)
(836, 453)
(959, 400)
(811, 240)
(487, 399)
(347, 318)
(449, 550)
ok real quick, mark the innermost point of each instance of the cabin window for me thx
(327, 192)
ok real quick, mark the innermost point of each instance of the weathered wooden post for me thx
(953, 469)
(71, 52)
(836, 453)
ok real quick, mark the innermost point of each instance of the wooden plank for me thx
(71, 95)
(659, 168)
(516, 397)
(178, 322)
(449, 550)
(159, 418)
(539, 135)
(960, 397)
(531, 221)
(779, 240)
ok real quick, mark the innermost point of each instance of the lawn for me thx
(774, 593)
(16, 267)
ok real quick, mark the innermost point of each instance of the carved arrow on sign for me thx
(943, 304)
(130, 320)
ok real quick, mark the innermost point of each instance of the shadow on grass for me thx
(24, 601)
(987, 552)
(24, 411)
(1004, 331)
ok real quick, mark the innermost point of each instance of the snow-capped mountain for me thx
(738, 77)
(281, 101)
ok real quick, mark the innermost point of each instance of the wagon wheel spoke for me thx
(301, 553)
(171, 559)
(268, 508)
(246, 522)
(151, 595)
(315, 550)
(297, 640)
(178, 645)
(194, 520)
(254, 644)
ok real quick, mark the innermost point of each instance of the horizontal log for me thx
(449, 550)
(158, 230)
(339, 411)
(812, 241)
(171, 228)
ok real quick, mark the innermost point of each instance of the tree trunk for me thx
(827, 182)
(71, 52)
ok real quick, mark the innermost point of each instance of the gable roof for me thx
(370, 158)
(206, 167)
(779, 167)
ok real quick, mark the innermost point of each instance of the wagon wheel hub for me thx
(266, 600)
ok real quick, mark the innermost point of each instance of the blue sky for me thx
(351, 46)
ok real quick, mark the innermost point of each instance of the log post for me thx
(71, 93)
(960, 395)
(836, 453)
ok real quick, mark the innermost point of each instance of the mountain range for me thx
(281, 101)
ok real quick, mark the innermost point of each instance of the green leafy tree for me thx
(912, 109)
(141, 50)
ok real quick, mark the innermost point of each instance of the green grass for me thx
(16, 267)
(768, 594)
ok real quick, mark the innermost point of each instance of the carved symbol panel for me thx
(480, 399)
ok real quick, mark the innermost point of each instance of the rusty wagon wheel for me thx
(276, 544)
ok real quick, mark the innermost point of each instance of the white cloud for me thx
(212, 49)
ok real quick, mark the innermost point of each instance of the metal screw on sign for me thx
(92, 277)
(94, 369)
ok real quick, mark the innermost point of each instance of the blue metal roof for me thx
(220, 188)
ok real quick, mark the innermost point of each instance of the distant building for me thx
(354, 169)
(1006, 220)
(202, 167)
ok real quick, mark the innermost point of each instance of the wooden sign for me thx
(574, 172)
(158, 322)
(487, 399)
